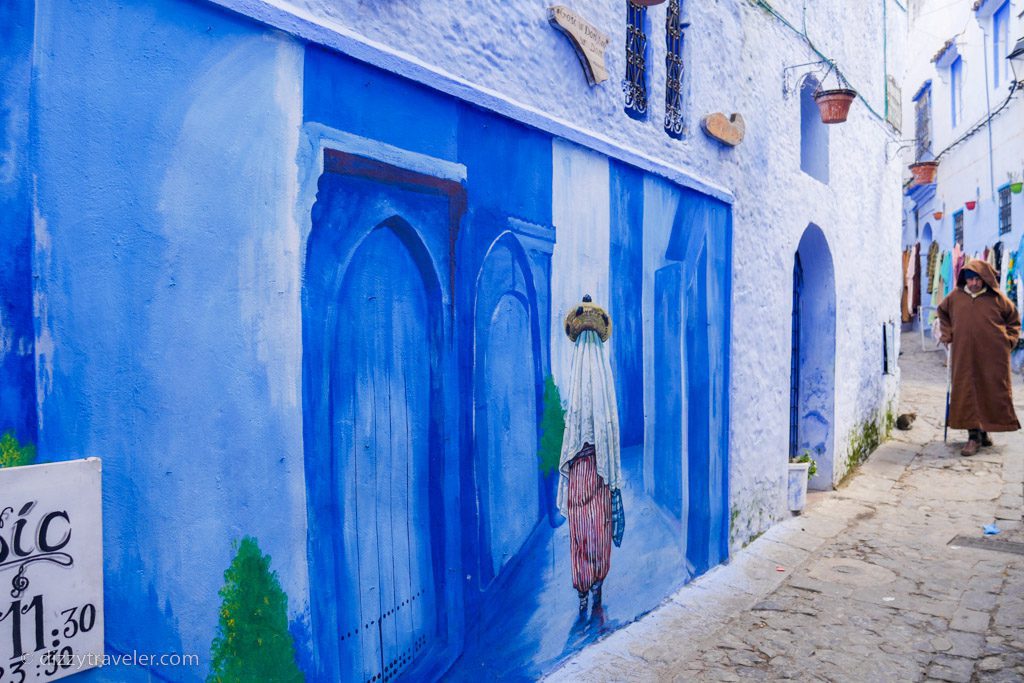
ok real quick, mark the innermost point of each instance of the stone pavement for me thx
(872, 586)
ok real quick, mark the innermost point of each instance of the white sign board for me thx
(51, 571)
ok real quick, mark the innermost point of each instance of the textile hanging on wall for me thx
(904, 296)
(933, 264)
(958, 263)
(915, 285)
(1010, 286)
(947, 273)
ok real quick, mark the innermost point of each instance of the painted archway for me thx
(376, 407)
(812, 382)
(507, 382)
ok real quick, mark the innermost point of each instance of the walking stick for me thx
(949, 382)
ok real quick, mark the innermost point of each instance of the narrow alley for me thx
(888, 578)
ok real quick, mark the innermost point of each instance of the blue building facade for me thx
(286, 293)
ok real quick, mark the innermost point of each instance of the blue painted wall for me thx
(17, 361)
(355, 381)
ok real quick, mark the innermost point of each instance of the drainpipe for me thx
(988, 107)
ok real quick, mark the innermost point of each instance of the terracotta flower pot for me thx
(924, 172)
(937, 215)
(834, 105)
(1016, 187)
(970, 205)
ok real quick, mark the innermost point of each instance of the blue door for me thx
(380, 420)
(506, 410)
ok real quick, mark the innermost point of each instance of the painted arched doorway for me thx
(926, 243)
(377, 405)
(381, 412)
(506, 385)
(812, 361)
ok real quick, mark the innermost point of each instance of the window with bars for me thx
(674, 70)
(635, 85)
(1004, 210)
(958, 228)
(923, 123)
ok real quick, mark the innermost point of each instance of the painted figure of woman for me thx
(588, 488)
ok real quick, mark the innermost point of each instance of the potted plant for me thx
(971, 204)
(1015, 183)
(801, 468)
(924, 172)
(937, 215)
(834, 104)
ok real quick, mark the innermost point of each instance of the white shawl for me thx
(592, 417)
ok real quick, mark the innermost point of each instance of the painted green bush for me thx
(253, 642)
(14, 454)
(552, 426)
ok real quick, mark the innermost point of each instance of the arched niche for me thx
(813, 133)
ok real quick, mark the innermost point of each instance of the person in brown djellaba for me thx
(983, 327)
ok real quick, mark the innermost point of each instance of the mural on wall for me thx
(253, 642)
(469, 468)
(372, 353)
(588, 490)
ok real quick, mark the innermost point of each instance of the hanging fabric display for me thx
(933, 264)
(904, 295)
(915, 284)
(1010, 277)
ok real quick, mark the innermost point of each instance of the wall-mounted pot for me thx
(937, 215)
(834, 105)
(924, 172)
(970, 205)
(1016, 187)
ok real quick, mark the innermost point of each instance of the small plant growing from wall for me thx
(253, 642)
(14, 454)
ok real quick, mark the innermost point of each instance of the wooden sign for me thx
(589, 42)
(51, 570)
(728, 131)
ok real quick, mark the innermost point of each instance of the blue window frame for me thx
(956, 82)
(958, 227)
(635, 85)
(1004, 210)
(1000, 43)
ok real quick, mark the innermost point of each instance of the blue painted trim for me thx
(925, 87)
(946, 57)
(324, 137)
(347, 42)
(920, 194)
(989, 7)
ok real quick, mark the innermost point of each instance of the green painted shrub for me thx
(14, 454)
(253, 642)
(552, 426)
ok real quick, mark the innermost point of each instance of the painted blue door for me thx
(669, 458)
(380, 416)
(506, 405)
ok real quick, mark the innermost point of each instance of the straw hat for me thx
(588, 316)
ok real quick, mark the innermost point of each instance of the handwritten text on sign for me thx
(51, 570)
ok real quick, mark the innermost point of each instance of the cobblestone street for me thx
(869, 584)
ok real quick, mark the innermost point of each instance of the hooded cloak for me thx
(983, 329)
(593, 416)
